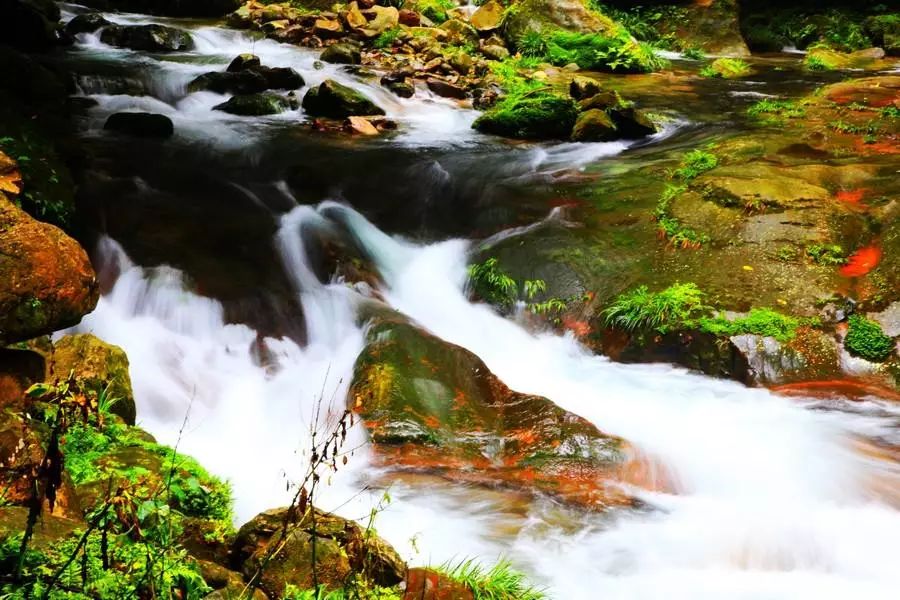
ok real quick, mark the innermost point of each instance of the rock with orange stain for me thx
(462, 422)
(850, 196)
(862, 261)
(876, 92)
(427, 584)
(46, 280)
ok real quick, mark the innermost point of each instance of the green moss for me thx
(866, 339)
(435, 10)
(533, 115)
(386, 38)
(726, 68)
(781, 108)
(759, 321)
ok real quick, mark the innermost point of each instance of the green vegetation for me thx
(682, 307)
(435, 10)
(827, 254)
(351, 592)
(647, 23)
(46, 184)
(669, 227)
(618, 53)
(531, 115)
(814, 62)
(695, 163)
(726, 68)
(386, 38)
(500, 582)
(866, 339)
(490, 283)
(781, 108)
(694, 53)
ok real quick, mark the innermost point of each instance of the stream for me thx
(209, 250)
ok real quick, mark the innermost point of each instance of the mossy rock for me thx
(255, 105)
(147, 38)
(594, 125)
(99, 365)
(727, 68)
(537, 116)
(342, 548)
(337, 101)
(547, 15)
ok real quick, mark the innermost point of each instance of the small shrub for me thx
(617, 53)
(866, 339)
(693, 53)
(726, 68)
(817, 63)
(387, 38)
(533, 44)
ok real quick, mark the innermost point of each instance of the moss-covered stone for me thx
(337, 101)
(255, 105)
(540, 115)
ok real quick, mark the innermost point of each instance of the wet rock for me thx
(229, 82)
(334, 100)
(243, 62)
(812, 356)
(361, 126)
(46, 279)
(756, 186)
(328, 28)
(594, 126)
(488, 16)
(632, 123)
(547, 15)
(603, 101)
(461, 62)
(400, 88)
(889, 319)
(435, 407)
(100, 365)
(583, 87)
(537, 116)
(29, 24)
(380, 19)
(713, 27)
(147, 38)
(428, 584)
(86, 23)
(280, 78)
(342, 53)
(446, 89)
(148, 125)
(255, 105)
(341, 547)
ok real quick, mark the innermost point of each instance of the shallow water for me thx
(209, 247)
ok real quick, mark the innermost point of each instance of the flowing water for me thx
(210, 253)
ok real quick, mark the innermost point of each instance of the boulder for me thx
(488, 16)
(243, 62)
(603, 100)
(343, 53)
(280, 78)
(147, 38)
(86, 23)
(46, 279)
(334, 100)
(147, 125)
(400, 87)
(29, 24)
(255, 105)
(495, 51)
(812, 356)
(544, 15)
(229, 82)
(98, 364)
(409, 18)
(594, 125)
(361, 126)
(632, 123)
(382, 19)
(446, 89)
(460, 33)
(342, 548)
(431, 406)
(583, 87)
(328, 28)
(537, 116)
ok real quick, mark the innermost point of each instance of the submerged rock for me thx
(148, 38)
(435, 407)
(255, 105)
(334, 100)
(46, 279)
(149, 125)
(342, 548)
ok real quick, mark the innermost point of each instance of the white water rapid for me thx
(773, 500)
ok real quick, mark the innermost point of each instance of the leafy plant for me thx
(500, 582)
(693, 53)
(533, 44)
(866, 339)
(695, 163)
(387, 38)
(727, 68)
(785, 108)
(491, 283)
(817, 63)
(616, 53)
(827, 254)
(663, 311)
